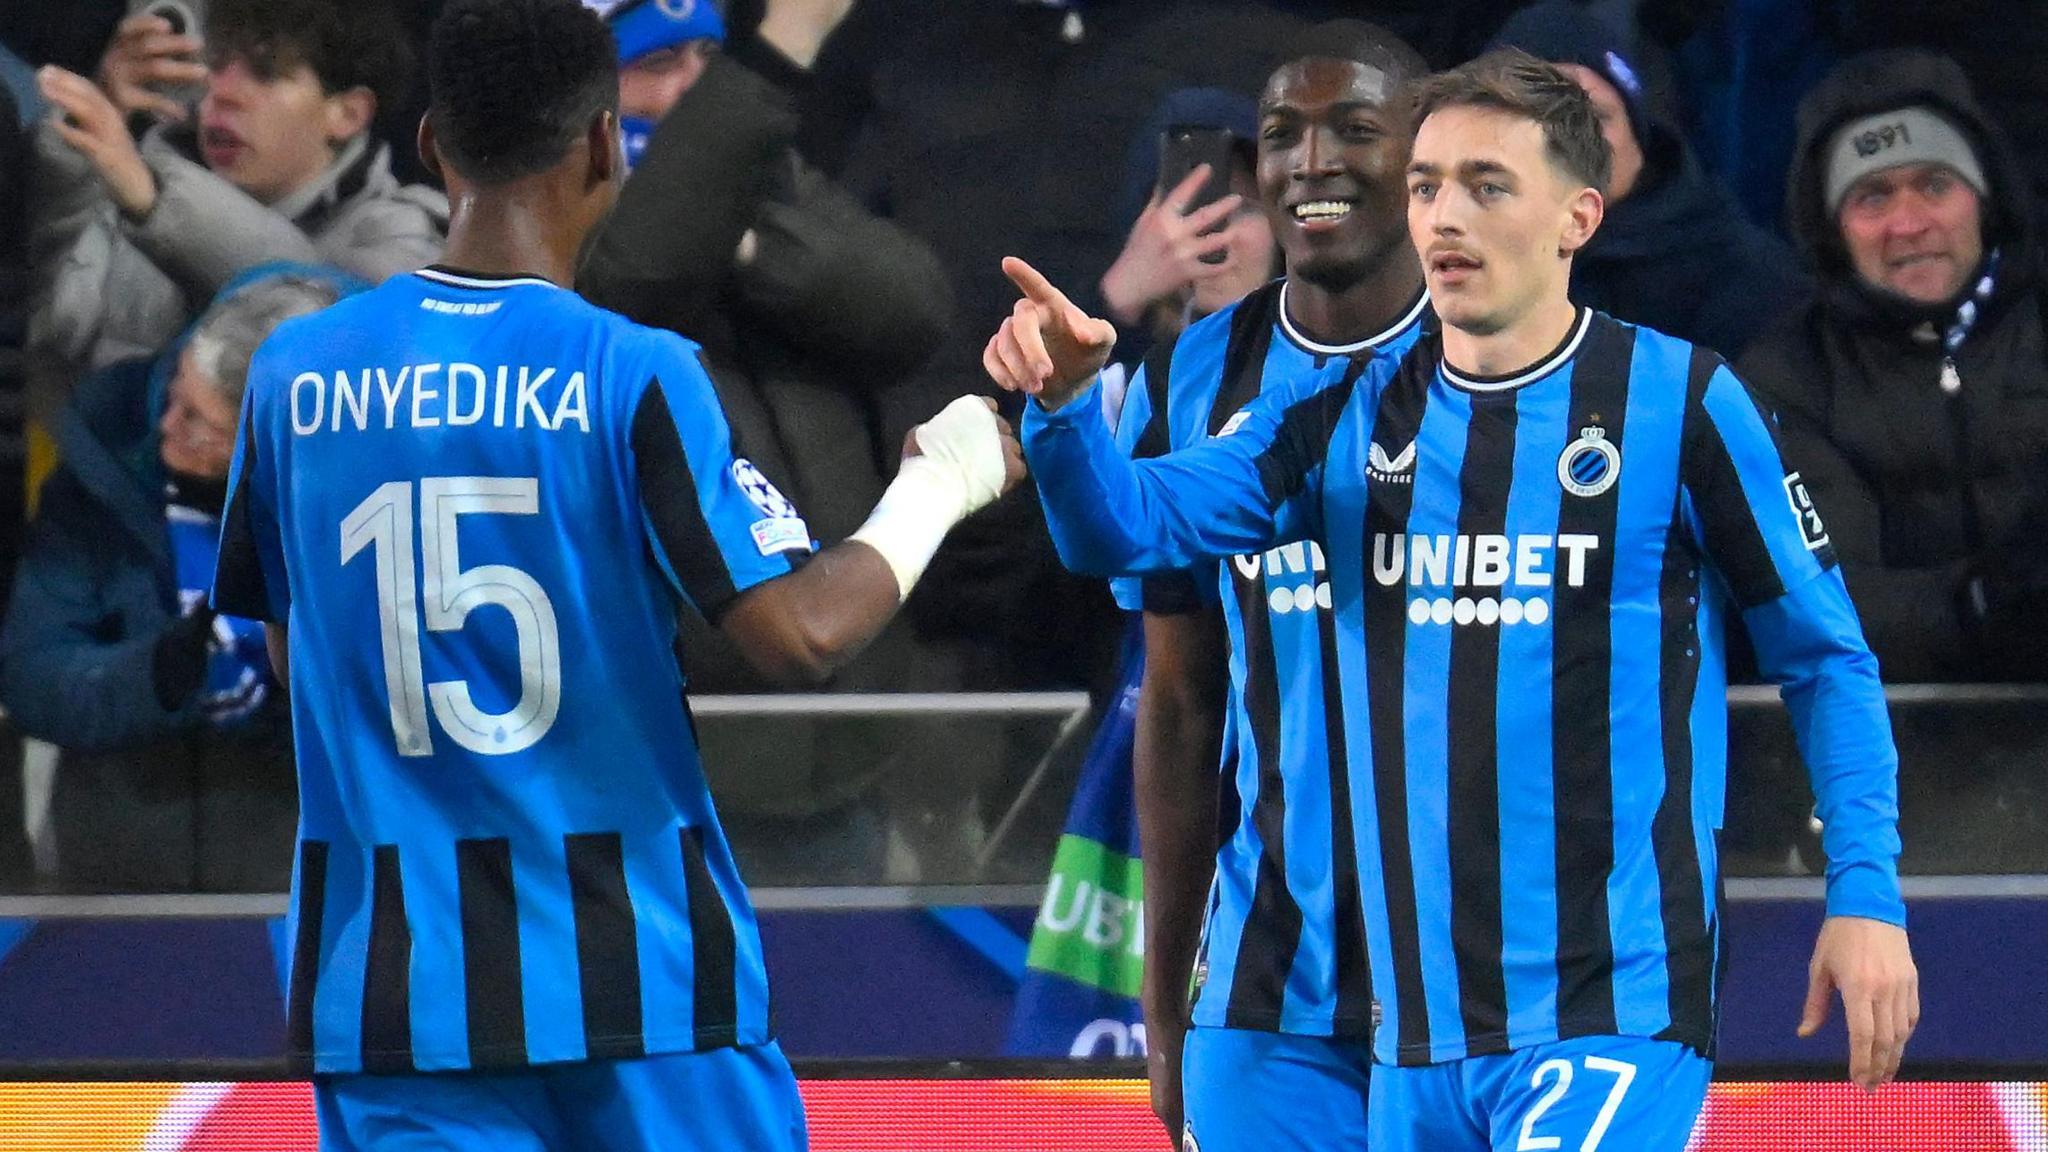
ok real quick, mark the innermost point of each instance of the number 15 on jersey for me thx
(383, 523)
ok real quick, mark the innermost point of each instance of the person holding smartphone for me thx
(1202, 243)
(276, 162)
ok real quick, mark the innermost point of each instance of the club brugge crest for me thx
(1589, 465)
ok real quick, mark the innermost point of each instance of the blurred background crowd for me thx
(1838, 196)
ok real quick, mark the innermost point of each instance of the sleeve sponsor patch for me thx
(1811, 530)
(781, 534)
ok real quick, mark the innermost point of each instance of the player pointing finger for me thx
(1048, 347)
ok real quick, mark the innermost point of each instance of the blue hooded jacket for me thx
(96, 588)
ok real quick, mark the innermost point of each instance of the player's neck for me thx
(509, 235)
(1515, 347)
(1358, 312)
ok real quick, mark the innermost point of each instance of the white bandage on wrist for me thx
(959, 470)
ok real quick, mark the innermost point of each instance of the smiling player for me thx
(1530, 648)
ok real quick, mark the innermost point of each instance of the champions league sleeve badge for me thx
(783, 528)
(1589, 465)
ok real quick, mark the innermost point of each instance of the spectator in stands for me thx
(1913, 392)
(177, 769)
(990, 127)
(1163, 279)
(805, 305)
(1674, 252)
(130, 239)
(1999, 44)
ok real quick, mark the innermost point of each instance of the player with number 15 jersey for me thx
(468, 504)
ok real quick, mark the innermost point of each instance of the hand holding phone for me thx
(1185, 147)
(153, 64)
(1172, 245)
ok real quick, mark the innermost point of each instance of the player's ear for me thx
(430, 152)
(607, 153)
(1583, 214)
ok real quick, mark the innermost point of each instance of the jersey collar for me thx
(1301, 340)
(1544, 367)
(456, 278)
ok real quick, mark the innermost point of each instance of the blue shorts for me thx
(1583, 1095)
(737, 1099)
(1266, 1092)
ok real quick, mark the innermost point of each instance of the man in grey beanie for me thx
(1913, 392)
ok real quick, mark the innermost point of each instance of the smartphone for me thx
(186, 18)
(1185, 147)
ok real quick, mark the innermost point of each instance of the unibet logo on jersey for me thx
(1512, 574)
(1296, 571)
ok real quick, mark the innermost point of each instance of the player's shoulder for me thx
(1670, 365)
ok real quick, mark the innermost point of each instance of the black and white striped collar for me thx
(1537, 371)
(455, 278)
(1300, 339)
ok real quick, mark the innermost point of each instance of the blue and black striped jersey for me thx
(477, 502)
(1529, 621)
(1283, 946)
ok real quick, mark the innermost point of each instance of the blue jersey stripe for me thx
(440, 1024)
(1528, 832)
(1433, 560)
(1646, 496)
(547, 948)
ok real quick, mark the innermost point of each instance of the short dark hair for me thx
(347, 43)
(1512, 81)
(1362, 42)
(516, 82)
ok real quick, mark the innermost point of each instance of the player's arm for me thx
(1110, 516)
(249, 574)
(277, 641)
(742, 556)
(801, 627)
(1175, 756)
(1762, 535)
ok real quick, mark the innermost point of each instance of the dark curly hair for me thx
(516, 82)
(347, 43)
(1510, 80)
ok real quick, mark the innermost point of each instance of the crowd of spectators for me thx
(820, 195)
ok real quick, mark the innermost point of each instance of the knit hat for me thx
(646, 26)
(1562, 32)
(1915, 134)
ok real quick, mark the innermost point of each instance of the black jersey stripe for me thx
(387, 970)
(607, 946)
(1272, 932)
(1733, 538)
(312, 909)
(668, 492)
(239, 586)
(1169, 593)
(1688, 935)
(1581, 724)
(1397, 421)
(714, 950)
(491, 973)
(1353, 1015)
(1244, 355)
(1474, 748)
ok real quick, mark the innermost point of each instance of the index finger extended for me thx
(1033, 284)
